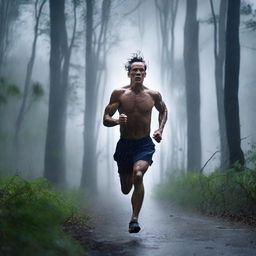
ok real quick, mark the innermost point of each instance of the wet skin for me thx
(134, 103)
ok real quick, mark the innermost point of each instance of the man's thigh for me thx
(140, 166)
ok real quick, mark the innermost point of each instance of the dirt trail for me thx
(166, 231)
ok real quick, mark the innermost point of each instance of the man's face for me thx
(137, 72)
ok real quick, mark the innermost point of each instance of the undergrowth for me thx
(31, 218)
(231, 193)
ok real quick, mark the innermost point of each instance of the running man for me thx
(135, 148)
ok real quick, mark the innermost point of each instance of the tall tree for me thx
(219, 56)
(59, 73)
(8, 13)
(38, 7)
(192, 81)
(95, 62)
(166, 14)
(232, 66)
(88, 171)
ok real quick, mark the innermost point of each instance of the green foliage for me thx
(231, 193)
(13, 90)
(245, 9)
(250, 24)
(77, 2)
(251, 156)
(7, 90)
(31, 218)
(37, 90)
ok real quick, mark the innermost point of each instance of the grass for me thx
(230, 193)
(31, 219)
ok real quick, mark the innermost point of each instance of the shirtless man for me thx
(135, 148)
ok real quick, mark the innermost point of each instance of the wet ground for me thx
(166, 231)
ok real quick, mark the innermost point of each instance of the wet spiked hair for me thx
(136, 57)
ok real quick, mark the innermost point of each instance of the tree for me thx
(95, 62)
(8, 13)
(167, 13)
(231, 103)
(192, 81)
(59, 73)
(219, 56)
(30, 66)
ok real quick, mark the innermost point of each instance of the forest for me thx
(60, 61)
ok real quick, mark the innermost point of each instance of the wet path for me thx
(166, 231)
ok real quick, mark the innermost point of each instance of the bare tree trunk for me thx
(95, 66)
(8, 13)
(29, 72)
(192, 77)
(174, 10)
(219, 55)
(167, 12)
(88, 179)
(231, 101)
(59, 74)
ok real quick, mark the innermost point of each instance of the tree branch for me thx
(201, 170)
(134, 9)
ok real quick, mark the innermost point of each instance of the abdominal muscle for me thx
(137, 126)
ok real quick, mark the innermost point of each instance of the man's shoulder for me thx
(152, 93)
(119, 91)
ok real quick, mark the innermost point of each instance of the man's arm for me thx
(162, 118)
(111, 109)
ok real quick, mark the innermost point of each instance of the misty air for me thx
(127, 127)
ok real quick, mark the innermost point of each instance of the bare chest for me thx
(131, 102)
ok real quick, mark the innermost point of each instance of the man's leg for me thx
(139, 169)
(126, 182)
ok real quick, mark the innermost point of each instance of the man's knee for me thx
(137, 175)
(138, 178)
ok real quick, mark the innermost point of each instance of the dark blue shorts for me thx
(130, 151)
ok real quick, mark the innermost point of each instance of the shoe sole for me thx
(134, 230)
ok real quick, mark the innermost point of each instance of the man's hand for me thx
(157, 135)
(122, 119)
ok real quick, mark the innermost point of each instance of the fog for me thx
(128, 33)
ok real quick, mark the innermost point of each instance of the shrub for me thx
(231, 193)
(31, 217)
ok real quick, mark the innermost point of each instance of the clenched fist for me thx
(157, 136)
(122, 119)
